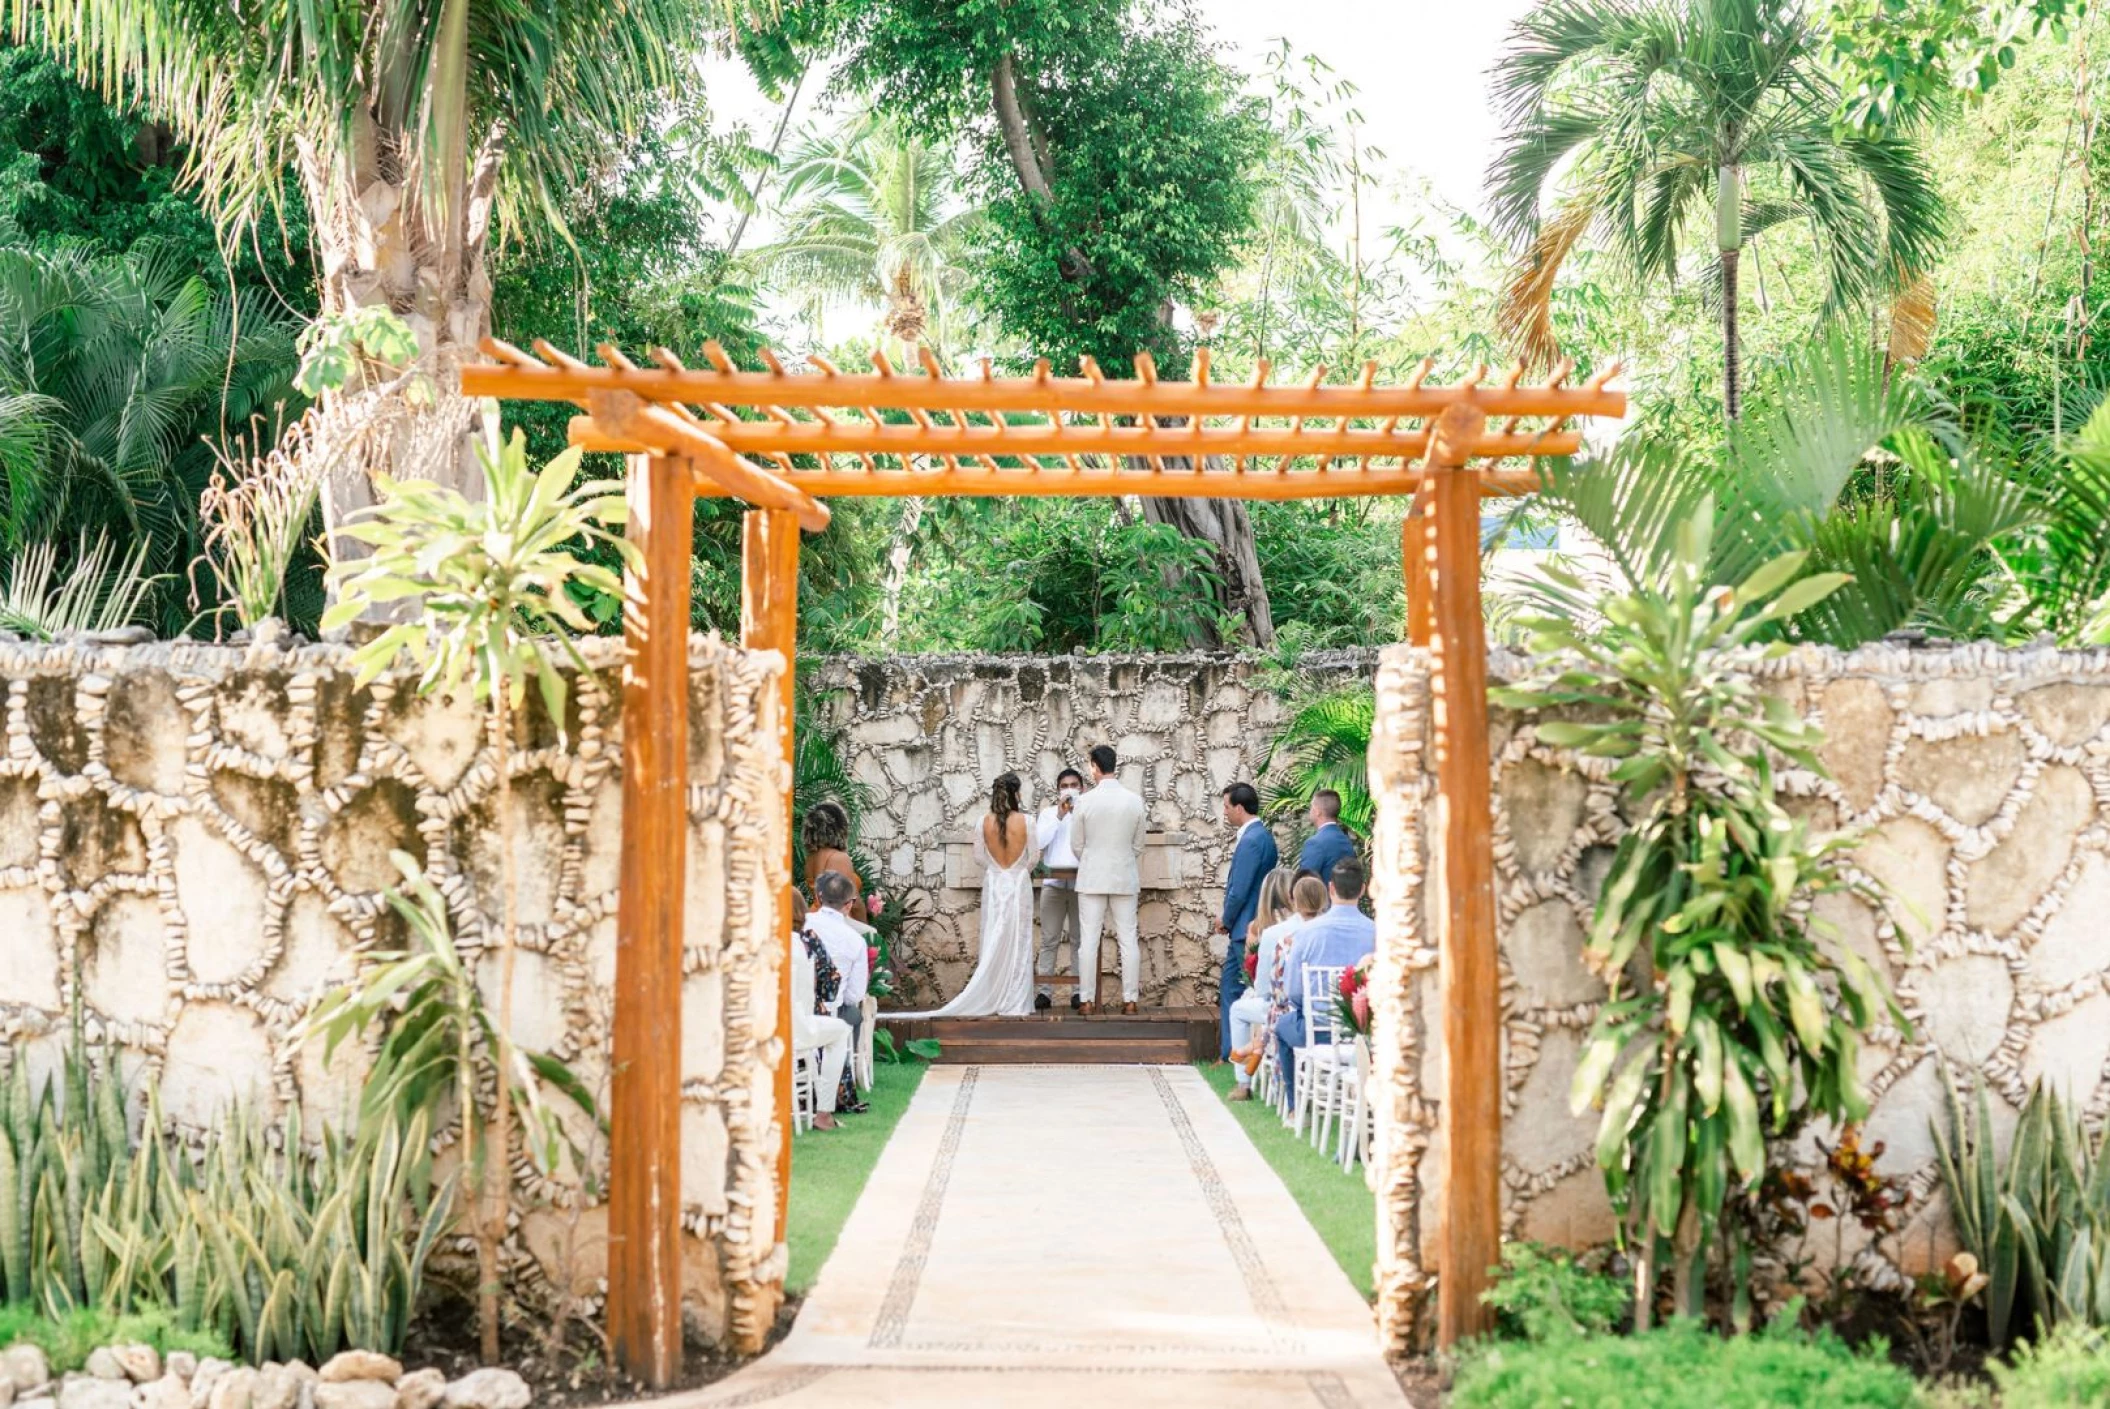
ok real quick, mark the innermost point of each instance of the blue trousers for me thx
(1227, 990)
(1289, 1036)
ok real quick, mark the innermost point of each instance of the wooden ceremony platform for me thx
(1059, 1037)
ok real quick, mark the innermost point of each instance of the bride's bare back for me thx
(1008, 844)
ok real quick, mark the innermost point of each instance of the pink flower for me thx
(872, 955)
(874, 903)
(1361, 1003)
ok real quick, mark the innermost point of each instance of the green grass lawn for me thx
(1338, 1203)
(829, 1169)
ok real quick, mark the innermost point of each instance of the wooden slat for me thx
(1471, 1110)
(644, 1167)
(1417, 561)
(769, 620)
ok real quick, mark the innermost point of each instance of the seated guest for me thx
(847, 943)
(1308, 896)
(1330, 841)
(1336, 940)
(826, 832)
(814, 1026)
(1273, 921)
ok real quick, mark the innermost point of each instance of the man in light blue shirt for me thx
(1340, 938)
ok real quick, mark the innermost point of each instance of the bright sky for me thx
(1421, 66)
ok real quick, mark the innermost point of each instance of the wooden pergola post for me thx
(1417, 564)
(769, 621)
(1471, 1110)
(644, 1156)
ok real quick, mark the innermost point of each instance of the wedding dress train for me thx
(1002, 982)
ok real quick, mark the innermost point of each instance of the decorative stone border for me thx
(194, 839)
(1983, 777)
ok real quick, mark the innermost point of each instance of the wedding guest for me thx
(1058, 892)
(847, 943)
(826, 832)
(814, 1026)
(1275, 921)
(1335, 940)
(1252, 857)
(1329, 841)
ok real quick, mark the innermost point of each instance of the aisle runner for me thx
(1045, 1234)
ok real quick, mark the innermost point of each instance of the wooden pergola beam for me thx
(1222, 442)
(1083, 396)
(638, 425)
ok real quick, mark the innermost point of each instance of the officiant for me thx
(1058, 889)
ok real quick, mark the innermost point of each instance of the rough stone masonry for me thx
(927, 735)
(195, 839)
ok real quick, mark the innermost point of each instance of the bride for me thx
(1002, 983)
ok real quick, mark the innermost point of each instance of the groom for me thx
(1107, 829)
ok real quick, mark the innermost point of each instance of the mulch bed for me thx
(575, 1375)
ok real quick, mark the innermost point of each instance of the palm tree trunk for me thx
(1732, 397)
(380, 242)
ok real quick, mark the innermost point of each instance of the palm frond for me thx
(1525, 316)
(100, 591)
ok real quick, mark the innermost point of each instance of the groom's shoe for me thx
(1087, 1009)
(1128, 1007)
(1042, 1002)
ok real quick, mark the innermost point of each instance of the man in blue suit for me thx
(1338, 939)
(1252, 857)
(1329, 841)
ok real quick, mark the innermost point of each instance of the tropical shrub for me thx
(1325, 744)
(68, 1340)
(1680, 1365)
(114, 374)
(275, 1247)
(2039, 1221)
(2070, 1366)
(1744, 1018)
(488, 584)
(1547, 1294)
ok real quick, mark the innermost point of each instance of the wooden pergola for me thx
(784, 442)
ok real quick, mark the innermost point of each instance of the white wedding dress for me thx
(1002, 982)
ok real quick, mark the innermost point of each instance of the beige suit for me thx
(1108, 827)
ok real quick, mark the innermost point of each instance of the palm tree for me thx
(419, 128)
(871, 216)
(1640, 117)
(113, 373)
(1925, 550)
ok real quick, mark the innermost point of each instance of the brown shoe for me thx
(1240, 1093)
(1128, 1007)
(1087, 1009)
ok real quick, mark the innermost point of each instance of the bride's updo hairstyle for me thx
(1004, 802)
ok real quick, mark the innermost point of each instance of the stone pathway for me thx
(1051, 1235)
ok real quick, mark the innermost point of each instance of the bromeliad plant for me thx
(1732, 1018)
(487, 585)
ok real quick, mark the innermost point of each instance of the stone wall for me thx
(928, 735)
(194, 841)
(1983, 777)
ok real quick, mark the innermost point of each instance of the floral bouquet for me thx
(1352, 1003)
(1252, 966)
(881, 984)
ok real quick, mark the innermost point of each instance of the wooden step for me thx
(1073, 1030)
(1160, 1052)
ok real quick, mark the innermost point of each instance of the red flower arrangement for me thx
(1252, 965)
(1352, 1003)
